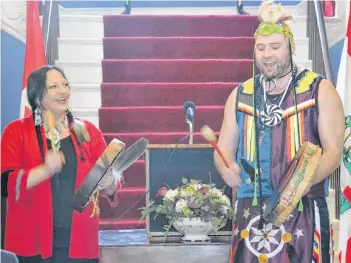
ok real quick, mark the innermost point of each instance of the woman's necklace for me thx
(55, 134)
(60, 127)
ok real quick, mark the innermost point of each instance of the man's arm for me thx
(228, 137)
(331, 128)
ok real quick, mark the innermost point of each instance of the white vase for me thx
(193, 229)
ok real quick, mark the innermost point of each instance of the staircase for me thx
(130, 76)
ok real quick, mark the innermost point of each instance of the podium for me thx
(166, 165)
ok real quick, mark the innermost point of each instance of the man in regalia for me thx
(298, 115)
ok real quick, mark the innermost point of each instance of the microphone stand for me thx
(191, 129)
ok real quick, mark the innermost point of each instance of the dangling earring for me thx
(37, 116)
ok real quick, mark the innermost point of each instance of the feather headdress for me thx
(269, 12)
(274, 20)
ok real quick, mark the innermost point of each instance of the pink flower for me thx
(194, 205)
(162, 192)
(204, 190)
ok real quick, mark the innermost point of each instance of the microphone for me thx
(189, 109)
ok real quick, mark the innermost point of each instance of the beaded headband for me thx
(274, 20)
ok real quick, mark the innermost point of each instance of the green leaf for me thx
(223, 188)
(216, 223)
(192, 181)
(167, 227)
(186, 211)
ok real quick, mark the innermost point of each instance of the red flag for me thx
(34, 54)
(348, 32)
(343, 87)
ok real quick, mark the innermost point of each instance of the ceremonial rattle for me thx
(55, 137)
(210, 136)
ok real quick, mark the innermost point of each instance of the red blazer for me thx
(29, 222)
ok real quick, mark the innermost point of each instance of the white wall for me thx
(13, 18)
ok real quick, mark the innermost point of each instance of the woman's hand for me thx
(109, 182)
(54, 162)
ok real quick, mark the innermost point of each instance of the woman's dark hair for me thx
(36, 90)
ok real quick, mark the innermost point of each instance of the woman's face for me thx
(57, 94)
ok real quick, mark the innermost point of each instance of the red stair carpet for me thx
(151, 66)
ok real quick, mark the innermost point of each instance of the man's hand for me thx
(228, 143)
(231, 176)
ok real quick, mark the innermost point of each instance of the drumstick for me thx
(51, 125)
(210, 136)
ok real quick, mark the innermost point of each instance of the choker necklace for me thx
(285, 74)
(273, 80)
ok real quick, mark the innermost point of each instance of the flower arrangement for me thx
(192, 199)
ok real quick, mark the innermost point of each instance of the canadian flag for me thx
(34, 54)
(344, 90)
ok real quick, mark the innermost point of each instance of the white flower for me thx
(197, 187)
(225, 209)
(185, 193)
(225, 200)
(171, 194)
(215, 192)
(180, 205)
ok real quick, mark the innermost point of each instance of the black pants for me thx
(3, 220)
(8, 257)
(35, 259)
(60, 255)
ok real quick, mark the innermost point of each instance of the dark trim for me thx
(325, 229)
(4, 181)
(318, 82)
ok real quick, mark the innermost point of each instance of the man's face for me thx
(272, 55)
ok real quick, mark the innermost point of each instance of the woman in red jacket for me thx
(40, 224)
